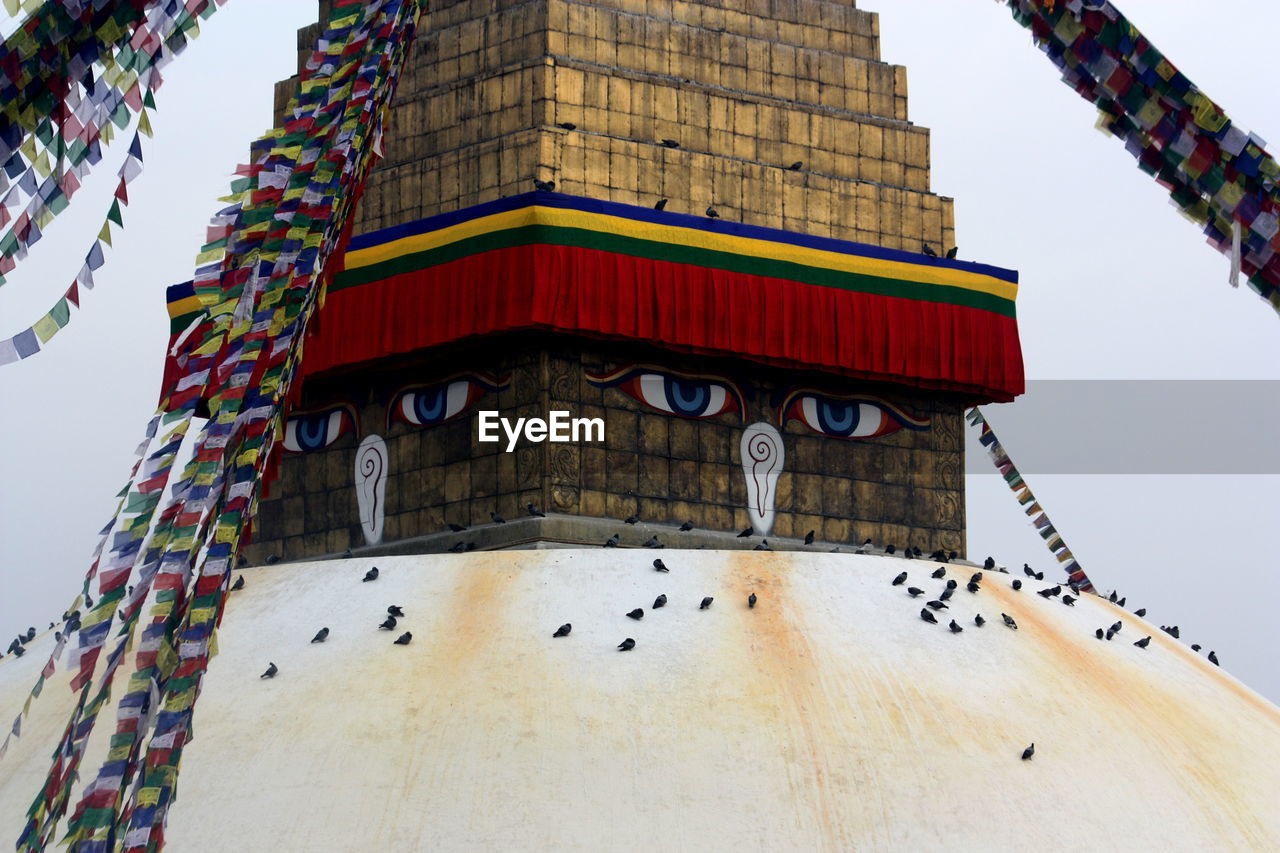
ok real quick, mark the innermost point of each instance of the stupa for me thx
(706, 226)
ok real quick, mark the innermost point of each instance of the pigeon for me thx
(1142, 644)
(660, 204)
(271, 560)
(271, 672)
(497, 519)
(744, 534)
(945, 595)
(242, 561)
(1039, 576)
(761, 546)
(631, 519)
(808, 537)
(1140, 612)
(1112, 597)
(660, 601)
(1056, 590)
(908, 554)
(346, 555)
(458, 547)
(989, 563)
(955, 629)
(567, 125)
(917, 552)
(652, 542)
(394, 610)
(544, 186)
(404, 639)
(1028, 571)
(711, 212)
(939, 573)
(686, 527)
(1195, 647)
(388, 624)
(1069, 601)
(31, 633)
(371, 575)
(937, 605)
(321, 636)
(751, 600)
(976, 577)
(239, 584)
(706, 602)
(1115, 629)
(659, 566)
(1173, 629)
(951, 253)
(979, 621)
(563, 630)
(1028, 752)
(1008, 620)
(1045, 593)
(534, 511)
(900, 579)
(939, 556)
(612, 541)
(636, 614)
(915, 591)
(796, 166)
(670, 143)
(1213, 659)
(1017, 583)
(1121, 601)
(890, 548)
(1099, 633)
(928, 250)
(972, 587)
(951, 584)
(865, 547)
(928, 616)
(626, 645)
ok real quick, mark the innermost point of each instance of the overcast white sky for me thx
(1115, 285)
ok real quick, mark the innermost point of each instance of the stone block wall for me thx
(746, 87)
(905, 488)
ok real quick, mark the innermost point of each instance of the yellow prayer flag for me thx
(46, 327)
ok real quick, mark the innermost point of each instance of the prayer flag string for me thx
(1218, 174)
(1039, 518)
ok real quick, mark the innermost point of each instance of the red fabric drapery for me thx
(677, 306)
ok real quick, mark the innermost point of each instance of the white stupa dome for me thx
(829, 717)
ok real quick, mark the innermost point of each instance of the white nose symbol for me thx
(371, 486)
(762, 458)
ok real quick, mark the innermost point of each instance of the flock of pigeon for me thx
(615, 541)
(658, 603)
(974, 586)
(394, 613)
(929, 613)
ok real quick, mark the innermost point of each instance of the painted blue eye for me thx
(856, 417)
(428, 405)
(841, 418)
(314, 431)
(675, 393)
(435, 403)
